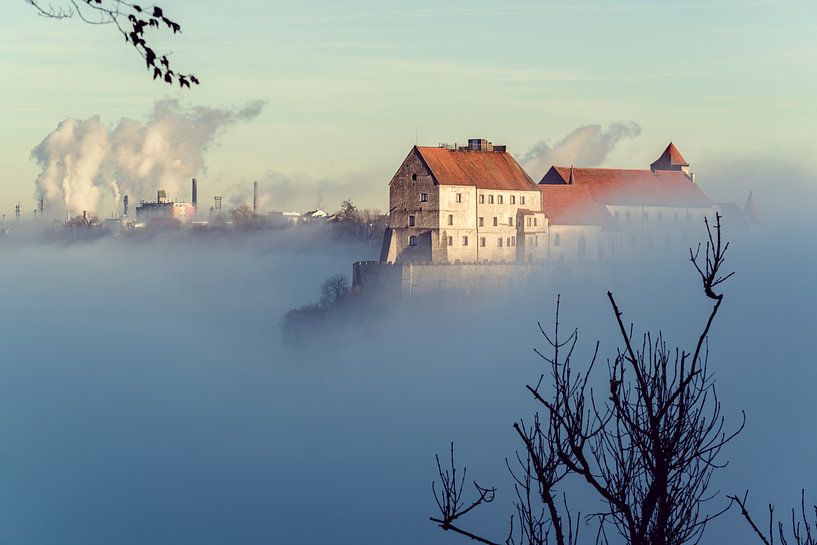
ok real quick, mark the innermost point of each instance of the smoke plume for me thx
(585, 146)
(83, 161)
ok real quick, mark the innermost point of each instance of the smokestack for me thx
(84, 216)
(40, 205)
(195, 195)
(125, 206)
(217, 203)
(18, 209)
(254, 197)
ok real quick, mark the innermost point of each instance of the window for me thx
(414, 177)
(449, 241)
(482, 242)
(513, 199)
(530, 221)
(412, 240)
(482, 222)
(459, 197)
(513, 241)
(496, 221)
(490, 199)
(522, 199)
(450, 219)
(465, 241)
(499, 242)
(557, 240)
(482, 199)
(423, 197)
(499, 199)
(411, 221)
(535, 222)
(510, 221)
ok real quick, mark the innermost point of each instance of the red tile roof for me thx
(632, 187)
(483, 169)
(566, 204)
(670, 158)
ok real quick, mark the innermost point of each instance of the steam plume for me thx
(84, 160)
(586, 146)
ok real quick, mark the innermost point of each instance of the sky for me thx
(351, 86)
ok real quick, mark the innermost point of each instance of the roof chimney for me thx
(479, 144)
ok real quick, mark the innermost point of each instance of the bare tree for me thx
(333, 289)
(647, 448)
(132, 21)
(802, 529)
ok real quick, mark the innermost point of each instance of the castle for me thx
(475, 208)
(476, 204)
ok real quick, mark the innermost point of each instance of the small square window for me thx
(423, 197)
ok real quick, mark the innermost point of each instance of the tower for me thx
(254, 197)
(195, 196)
(671, 159)
(125, 206)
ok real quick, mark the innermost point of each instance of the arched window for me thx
(450, 219)
(412, 240)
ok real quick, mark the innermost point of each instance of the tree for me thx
(243, 216)
(646, 449)
(132, 21)
(333, 289)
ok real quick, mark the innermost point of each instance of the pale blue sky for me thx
(348, 83)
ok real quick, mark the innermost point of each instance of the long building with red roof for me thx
(475, 204)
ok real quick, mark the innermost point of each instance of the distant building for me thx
(165, 213)
(475, 204)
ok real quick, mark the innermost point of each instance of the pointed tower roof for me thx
(669, 159)
(750, 211)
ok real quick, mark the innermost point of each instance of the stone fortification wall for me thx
(416, 279)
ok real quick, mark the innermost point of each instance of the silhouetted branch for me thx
(132, 20)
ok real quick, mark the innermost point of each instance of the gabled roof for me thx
(483, 169)
(566, 204)
(632, 187)
(670, 158)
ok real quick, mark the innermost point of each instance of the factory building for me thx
(166, 213)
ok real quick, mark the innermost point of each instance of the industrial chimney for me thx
(125, 206)
(254, 197)
(195, 196)
(40, 205)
